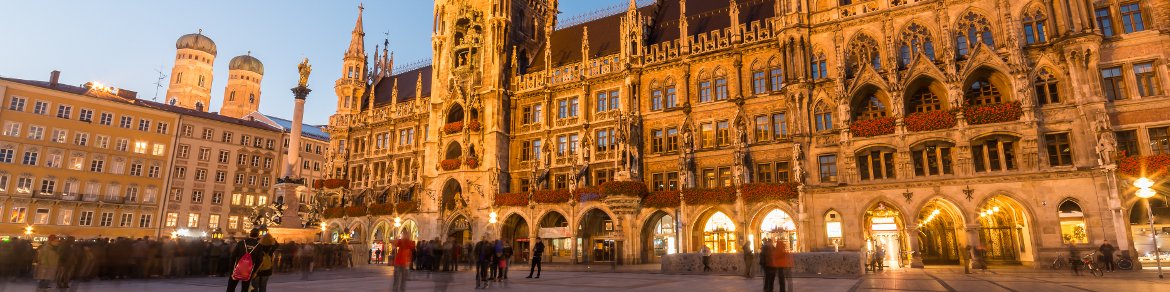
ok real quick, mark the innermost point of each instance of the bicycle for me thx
(1090, 263)
(1125, 262)
(1058, 261)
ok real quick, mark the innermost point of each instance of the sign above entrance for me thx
(555, 232)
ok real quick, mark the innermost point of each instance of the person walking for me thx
(70, 253)
(245, 258)
(307, 254)
(505, 261)
(781, 261)
(705, 253)
(1107, 251)
(537, 254)
(403, 254)
(267, 251)
(482, 254)
(167, 252)
(766, 264)
(1074, 259)
(48, 260)
(747, 260)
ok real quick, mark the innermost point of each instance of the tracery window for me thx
(872, 109)
(776, 75)
(1046, 88)
(863, 50)
(924, 100)
(981, 91)
(1034, 27)
(817, 67)
(915, 40)
(823, 117)
(972, 29)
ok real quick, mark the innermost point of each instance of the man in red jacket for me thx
(780, 260)
(403, 256)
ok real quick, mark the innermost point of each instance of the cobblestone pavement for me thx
(571, 279)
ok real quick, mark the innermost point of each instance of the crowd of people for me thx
(61, 260)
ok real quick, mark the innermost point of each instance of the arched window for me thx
(863, 51)
(719, 234)
(1034, 30)
(817, 67)
(833, 229)
(704, 88)
(199, 105)
(720, 84)
(915, 40)
(994, 154)
(759, 79)
(179, 78)
(823, 116)
(201, 81)
(1046, 88)
(251, 98)
(656, 98)
(924, 100)
(981, 91)
(973, 28)
(776, 74)
(232, 96)
(932, 158)
(1072, 223)
(872, 108)
(876, 163)
(671, 93)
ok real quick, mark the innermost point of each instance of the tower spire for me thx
(684, 36)
(357, 43)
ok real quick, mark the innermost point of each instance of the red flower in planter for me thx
(624, 188)
(333, 213)
(453, 127)
(472, 162)
(993, 113)
(382, 209)
(1152, 167)
(713, 196)
(589, 193)
(450, 164)
(406, 207)
(551, 196)
(355, 211)
(512, 199)
(474, 126)
(872, 127)
(930, 120)
(334, 183)
(662, 199)
(761, 192)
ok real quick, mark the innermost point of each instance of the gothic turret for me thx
(352, 84)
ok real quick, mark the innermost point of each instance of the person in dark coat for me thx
(766, 265)
(483, 254)
(71, 254)
(267, 251)
(1107, 251)
(537, 254)
(250, 246)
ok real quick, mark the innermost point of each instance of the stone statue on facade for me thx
(843, 112)
(1106, 147)
(797, 163)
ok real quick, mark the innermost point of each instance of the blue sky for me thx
(125, 43)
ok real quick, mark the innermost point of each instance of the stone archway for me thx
(452, 195)
(716, 230)
(658, 237)
(885, 235)
(459, 231)
(1004, 231)
(776, 224)
(515, 232)
(940, 233)
(596, 237)
(553, 229)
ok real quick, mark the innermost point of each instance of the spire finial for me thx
(361, 7)
(200, 31)
(249, 52)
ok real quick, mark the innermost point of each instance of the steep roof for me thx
(605, 32)
(407, 81)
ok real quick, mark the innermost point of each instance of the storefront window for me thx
(833, 229)
(664, 240)
(719, 234)
(777, 225)
(1072, 223)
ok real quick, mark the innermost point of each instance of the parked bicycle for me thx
(1125, 262)
(1058, 261)
(1090, 263)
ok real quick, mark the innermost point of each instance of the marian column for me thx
(290, 187)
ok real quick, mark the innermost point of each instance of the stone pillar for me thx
(916, 256)
(294, 140)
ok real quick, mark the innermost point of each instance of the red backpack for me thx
(243, 269)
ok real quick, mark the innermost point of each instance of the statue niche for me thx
(467, 40)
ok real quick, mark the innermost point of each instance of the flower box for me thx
(589, 193)
(474, 126)
(930, 121)
(1152, 167)
(551, 196)
(453, 127)
(382, 209)
(512, 199)
(406, 207)
(713, 196)
(355, 211)
(471, 162)
(872, 127)
(450, 164)
(763, 192)
(662, 199)
(993, 113)
(624, 188)
(331, 213)
(332, 183)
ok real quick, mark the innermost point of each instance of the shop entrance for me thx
(515, 233)
(595, 237)
(658, 237)
(555, 233)
(884, 239)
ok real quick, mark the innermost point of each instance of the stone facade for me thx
(925, 126)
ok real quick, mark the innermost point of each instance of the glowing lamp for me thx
(492, 217)
(1146, 193)
(397, 222)
(1143, 183)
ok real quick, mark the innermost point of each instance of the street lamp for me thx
(28, 231)
(1145, 192)
(492, 217)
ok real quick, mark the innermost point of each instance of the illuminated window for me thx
(719, 234)
(778, 225)
(1072, 223)
(140, 147)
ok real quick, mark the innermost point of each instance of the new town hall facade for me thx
(917, 127)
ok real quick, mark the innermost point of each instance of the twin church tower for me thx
(191, 77)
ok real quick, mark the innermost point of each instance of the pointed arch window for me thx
(872, 109)
(863, 51)
(251, 98)
(817, 67)
(823, 117)
(656, 97)
(232, 96)
(671, 93)
(704, 88)
(720, 85)
(924, 100)
(759, 79)
(1046, 88)
(973, 28)
(981, 91)
(915, 40)
(776, 75)
(1034, 27)
(201, 81)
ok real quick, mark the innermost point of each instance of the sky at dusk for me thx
(126, 43)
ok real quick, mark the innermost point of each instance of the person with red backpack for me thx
(246, 258)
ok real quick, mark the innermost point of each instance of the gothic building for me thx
(918, 127)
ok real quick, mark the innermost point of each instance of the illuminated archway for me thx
(884, 232)
(1003, 230)
(778, 225)
(940, 233)
(719, 233)
(596, 234)
(658, 237)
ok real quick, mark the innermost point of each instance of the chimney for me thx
(54, 77)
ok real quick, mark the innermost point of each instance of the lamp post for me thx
(1146, 192)
(28, 231)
